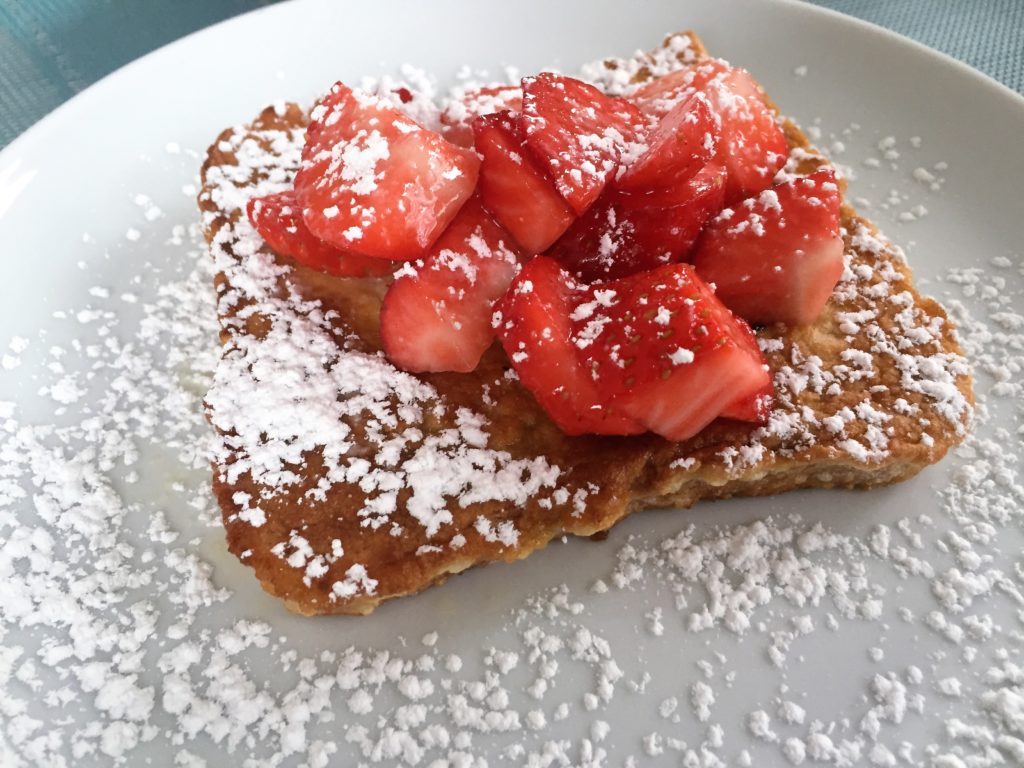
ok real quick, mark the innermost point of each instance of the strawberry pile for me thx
(617, 248)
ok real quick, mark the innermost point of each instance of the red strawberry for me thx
(276, 218)
(660, 96)
(375, 182)
(754, 408)
(663, 350)
(625, 233)
(682, 143)
(515, 188)
(753, 145)
(577, 133)
(533, 324)
(776, 257)
(436, 316)
(459, 112)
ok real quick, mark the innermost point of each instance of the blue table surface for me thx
(52, 49)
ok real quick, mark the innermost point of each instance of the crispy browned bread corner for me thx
(420, 478)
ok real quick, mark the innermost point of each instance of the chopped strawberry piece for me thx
(682, 143)
(532, 321)
(375, 182)
(660, 96)
(459, 112)
(663, 350)
(278, 221)
(753, 146)
(755, 408)
(776, 257)
(625, 232)
(515, 188)
(436, 316)
(577, 133)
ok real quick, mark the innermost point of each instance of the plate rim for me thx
(53, 122)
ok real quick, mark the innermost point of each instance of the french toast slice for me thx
(345, 482)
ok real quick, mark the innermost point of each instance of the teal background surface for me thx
(52, 49)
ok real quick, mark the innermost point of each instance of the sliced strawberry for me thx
(278, 221)
(436, 316)
(682, 143)
(577, 133)
(515, 188)
(533, 323)
(753, 146)
(776, 257)
(375, 182)
(625, 233)
(754, 408)
(663, 350)
(660, 96)
(461, 109)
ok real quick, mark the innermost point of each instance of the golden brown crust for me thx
(601, 479)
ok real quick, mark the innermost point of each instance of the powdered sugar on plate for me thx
(736, 635)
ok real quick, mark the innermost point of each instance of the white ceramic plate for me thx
(871, 663)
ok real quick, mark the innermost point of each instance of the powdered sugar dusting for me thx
(617, 76)
(806, 387)
(300, 388)
(121, 639)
